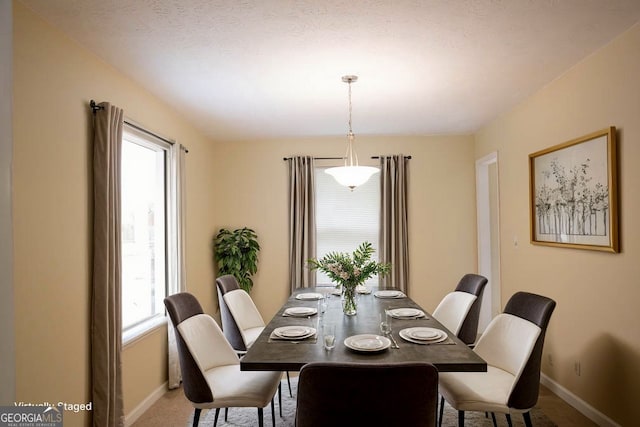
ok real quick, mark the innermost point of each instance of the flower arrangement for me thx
(350, 270)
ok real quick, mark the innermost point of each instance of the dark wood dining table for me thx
(267, 354)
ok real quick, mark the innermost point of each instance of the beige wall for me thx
(253, 193)
(597, 321)
(54, 79)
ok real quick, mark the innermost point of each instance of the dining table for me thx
(270, 352)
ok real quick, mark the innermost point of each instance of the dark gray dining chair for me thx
(459, 311)
(210, 367)
(512, 347)
(359, 394)
(225, 284)
(472, 284)
(241, 321)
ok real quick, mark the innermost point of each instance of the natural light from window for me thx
(143, 191)
(345, 218)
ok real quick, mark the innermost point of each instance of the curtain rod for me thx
(339, 158)
(377, 157)
(95, 107)
(319, 158)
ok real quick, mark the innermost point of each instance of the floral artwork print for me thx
(571, 193)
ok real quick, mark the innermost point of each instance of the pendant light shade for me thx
(351, 174)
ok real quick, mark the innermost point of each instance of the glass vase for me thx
(349, 301)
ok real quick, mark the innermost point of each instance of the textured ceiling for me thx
(272, 68)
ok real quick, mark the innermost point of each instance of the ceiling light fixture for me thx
(351, 175)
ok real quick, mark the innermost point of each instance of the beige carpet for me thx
(244, 417)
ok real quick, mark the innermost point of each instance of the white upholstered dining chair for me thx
(512, 347)
(453, 309)
(459, 311)
(246, 315)
(210, 367)
(241, 320)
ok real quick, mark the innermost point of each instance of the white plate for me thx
(389, 294)
(309, 296)
(294, 332)
(423, 335)
(300, 311)
(363, 290)
(367, 342)
(336, 292)
(402, 313)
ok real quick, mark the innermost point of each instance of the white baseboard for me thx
(137, 412)
(587, 410)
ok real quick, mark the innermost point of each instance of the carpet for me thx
(245, 417)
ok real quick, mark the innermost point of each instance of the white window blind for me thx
(345, 218)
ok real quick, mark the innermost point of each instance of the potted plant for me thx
(237, 254)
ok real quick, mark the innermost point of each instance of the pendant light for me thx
(351, 174)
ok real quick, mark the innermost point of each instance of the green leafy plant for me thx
(350, 270)
(237, 254)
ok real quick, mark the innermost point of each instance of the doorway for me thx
(488, 209)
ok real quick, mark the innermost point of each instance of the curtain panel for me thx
(106, 323)
(394, 233)
(174, 373)
(302, 221)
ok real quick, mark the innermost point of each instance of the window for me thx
(345, 218)
(146, 224)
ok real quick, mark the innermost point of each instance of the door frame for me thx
(491, 296)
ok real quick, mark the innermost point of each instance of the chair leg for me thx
(196, 417)
(260, 418)
(280, 398)
(508, 420)
(441, 412)
(493, 418)
(226, 412)
(460, 418)
(215, 419)
(527, 419)
(289, 383)
(273, 413)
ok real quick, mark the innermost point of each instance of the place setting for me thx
(336, 292)
(389, 293)
(406, 313)
(363, 290)
(294, 333)
(423, 335)
(300, 311)
(367, 343)
(309, 296)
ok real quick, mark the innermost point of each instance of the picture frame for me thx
(573, 193)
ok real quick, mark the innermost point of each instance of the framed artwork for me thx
(573, 193)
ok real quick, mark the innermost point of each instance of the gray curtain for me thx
(106, 324)
(394, 233)
(302, 221)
